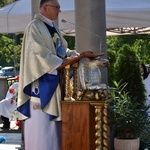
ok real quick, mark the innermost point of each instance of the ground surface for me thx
(13, 137)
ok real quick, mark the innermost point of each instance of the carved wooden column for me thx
(75, 66)
(98, 127)
(105, 126)
(67, 84)
(101, 125)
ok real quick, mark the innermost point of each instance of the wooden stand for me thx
(84, 125)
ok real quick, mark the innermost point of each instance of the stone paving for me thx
(13, 137)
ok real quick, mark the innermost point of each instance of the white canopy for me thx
(128, 16)
(15, 16)
(121, 16)
(128, 13)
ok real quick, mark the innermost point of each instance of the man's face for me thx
(52, 9)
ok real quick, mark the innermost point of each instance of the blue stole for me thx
(47, 86)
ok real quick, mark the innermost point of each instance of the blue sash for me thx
(47, 86)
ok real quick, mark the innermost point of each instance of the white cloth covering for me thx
(44, 130)
(6, 107)
(14, 86)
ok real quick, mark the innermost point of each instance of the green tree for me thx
(138, 43)
(117, 41)
(9, 51)
(71, 42)
(2, 3)
(127, 70)
(142, 49)
(5, 2)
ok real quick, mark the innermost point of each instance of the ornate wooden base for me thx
(84, 125)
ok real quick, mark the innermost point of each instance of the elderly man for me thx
(44, 49)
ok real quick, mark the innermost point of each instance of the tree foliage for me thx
(127, 69)
(71, 42)
(140, 44)
(4, 2)
(9, 51)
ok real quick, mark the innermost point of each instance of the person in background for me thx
(143, 71)
(146, 81)
(8, 105)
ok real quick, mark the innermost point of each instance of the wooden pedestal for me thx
(78, 128)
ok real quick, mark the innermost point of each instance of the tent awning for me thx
(122, 17)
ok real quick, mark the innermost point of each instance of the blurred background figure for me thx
(144, 71)
(146, 81)
(8, 105)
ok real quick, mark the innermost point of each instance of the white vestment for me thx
(39, 57)
(45, 134)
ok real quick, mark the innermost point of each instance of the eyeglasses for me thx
(57, 7)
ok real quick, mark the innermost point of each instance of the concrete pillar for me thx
(90, 28)
(35, 7)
